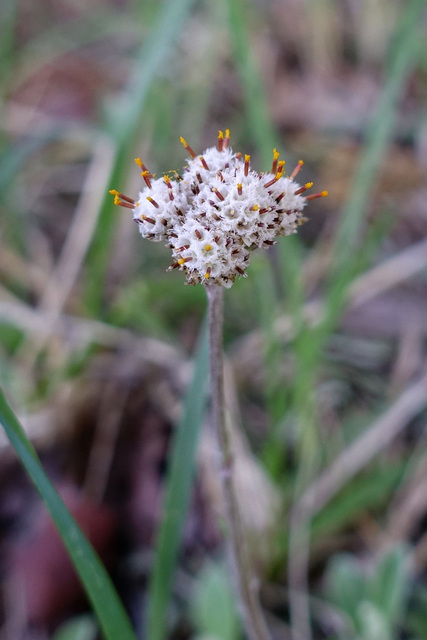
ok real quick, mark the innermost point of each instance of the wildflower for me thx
(218, 211)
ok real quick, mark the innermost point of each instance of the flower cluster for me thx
(218, 211)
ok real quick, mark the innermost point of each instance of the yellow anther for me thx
(116, 199)
(276, 154)
(114, 192)
(207, 275)
(138, 162)
(208, 247)
(300, 162)
(255, 207)
(181, 261)
(220, 135)
(324, 194)
(227, 133)
(247, 158)
(308, 185)
(183, 142)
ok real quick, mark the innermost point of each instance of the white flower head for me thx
(218, 211)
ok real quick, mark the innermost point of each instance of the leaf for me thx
(213, 609)
(81, 628)
(388, 586)
(105, 601)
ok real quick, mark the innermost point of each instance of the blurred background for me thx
(325, 340)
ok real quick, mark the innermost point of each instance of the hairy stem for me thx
(244, 581)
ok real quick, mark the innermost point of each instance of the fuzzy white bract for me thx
(218, 211)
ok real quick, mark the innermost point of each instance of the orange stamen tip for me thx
(300, 162)
(324, 194)
(114, 192)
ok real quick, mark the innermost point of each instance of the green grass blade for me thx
(122, 126)
(106, 604)
(405, 52)
(261, 128)
(178, 492)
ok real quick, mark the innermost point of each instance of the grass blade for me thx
(106, 604)
(404, 54)
(122, 126)
(178, 491)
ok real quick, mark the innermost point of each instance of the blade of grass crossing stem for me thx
(122, 126)
(106, 603)
(178, 492)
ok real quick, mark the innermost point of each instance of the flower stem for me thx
(245, 583)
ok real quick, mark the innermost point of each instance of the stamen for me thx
(307, 185)
(239, 270)
(147, 175)
(280, 168)
(239, 188)
(247, 161)
(220, 144)
(218, 194)
(279, 198)
(208, 247)
(204, 163)
(122, 196)
(197, 234)
(297, 169)
(275, 159)
(226, 139)
(140, 164)
(147, 219)
(123, 204)
(199, 178)
(153, 202)
(187, 147)
(208, 273)
(255, 207)
(322, 194)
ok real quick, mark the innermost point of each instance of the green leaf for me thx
(178, 492)
(345, 584)
(388, 587)
(81, 628)
(107, 606)
(213, 609)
